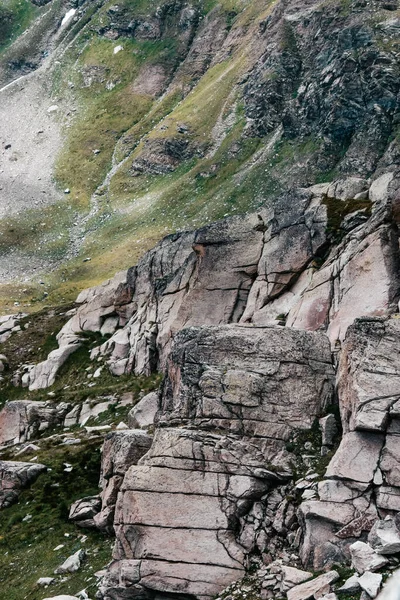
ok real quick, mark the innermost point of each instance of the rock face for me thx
(14, 477)
(219, 447)
(262, 268)
(362, 480)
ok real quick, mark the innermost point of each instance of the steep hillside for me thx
(133, 120)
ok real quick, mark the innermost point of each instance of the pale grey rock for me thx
(371, 583)
(22, 420)
(329, 429)
(384, 537)
(292, 576)
(72, 564)
(219, 447)
(313, 588)
(347, 189)
(143, 413)
(357, 457)
(82, 511)
(388, 498)
(14, 477)
(45, 581)
(351, 585)
(364, 558)
(379, 189)
(390, 461)
(43, 375)
(121, 450)
(62, 597)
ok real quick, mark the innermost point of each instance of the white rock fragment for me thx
(52, 109)
(371, 583)
(72, 564)
(68, 17)
(62, 597)
(350, 585)
(45, 581)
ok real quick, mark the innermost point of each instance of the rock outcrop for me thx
(189, 514)
(22, 420)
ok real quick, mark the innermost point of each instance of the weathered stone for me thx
(22, 420)
(14, 477)
(357, 457)
(62, 597)
(121, 450)
(292, 577)
(328, 429)
(350, 585)
(347, 189)
(388, 498)
(179, 504)
(310, 589)
(371, 583)
(390, 461)
(364, 558)
(143, 414)
(72, 564)
(82, 511)
(391, 590)
(384, 537)
(378, 192)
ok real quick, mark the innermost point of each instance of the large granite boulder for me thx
(202, 498)
(14, 477)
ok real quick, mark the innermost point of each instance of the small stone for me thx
(350, 585)
(328, 429)
(45, 581)
(371, 583)
(121, 426)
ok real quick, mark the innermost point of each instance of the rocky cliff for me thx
(219, 419)
(273, 435)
